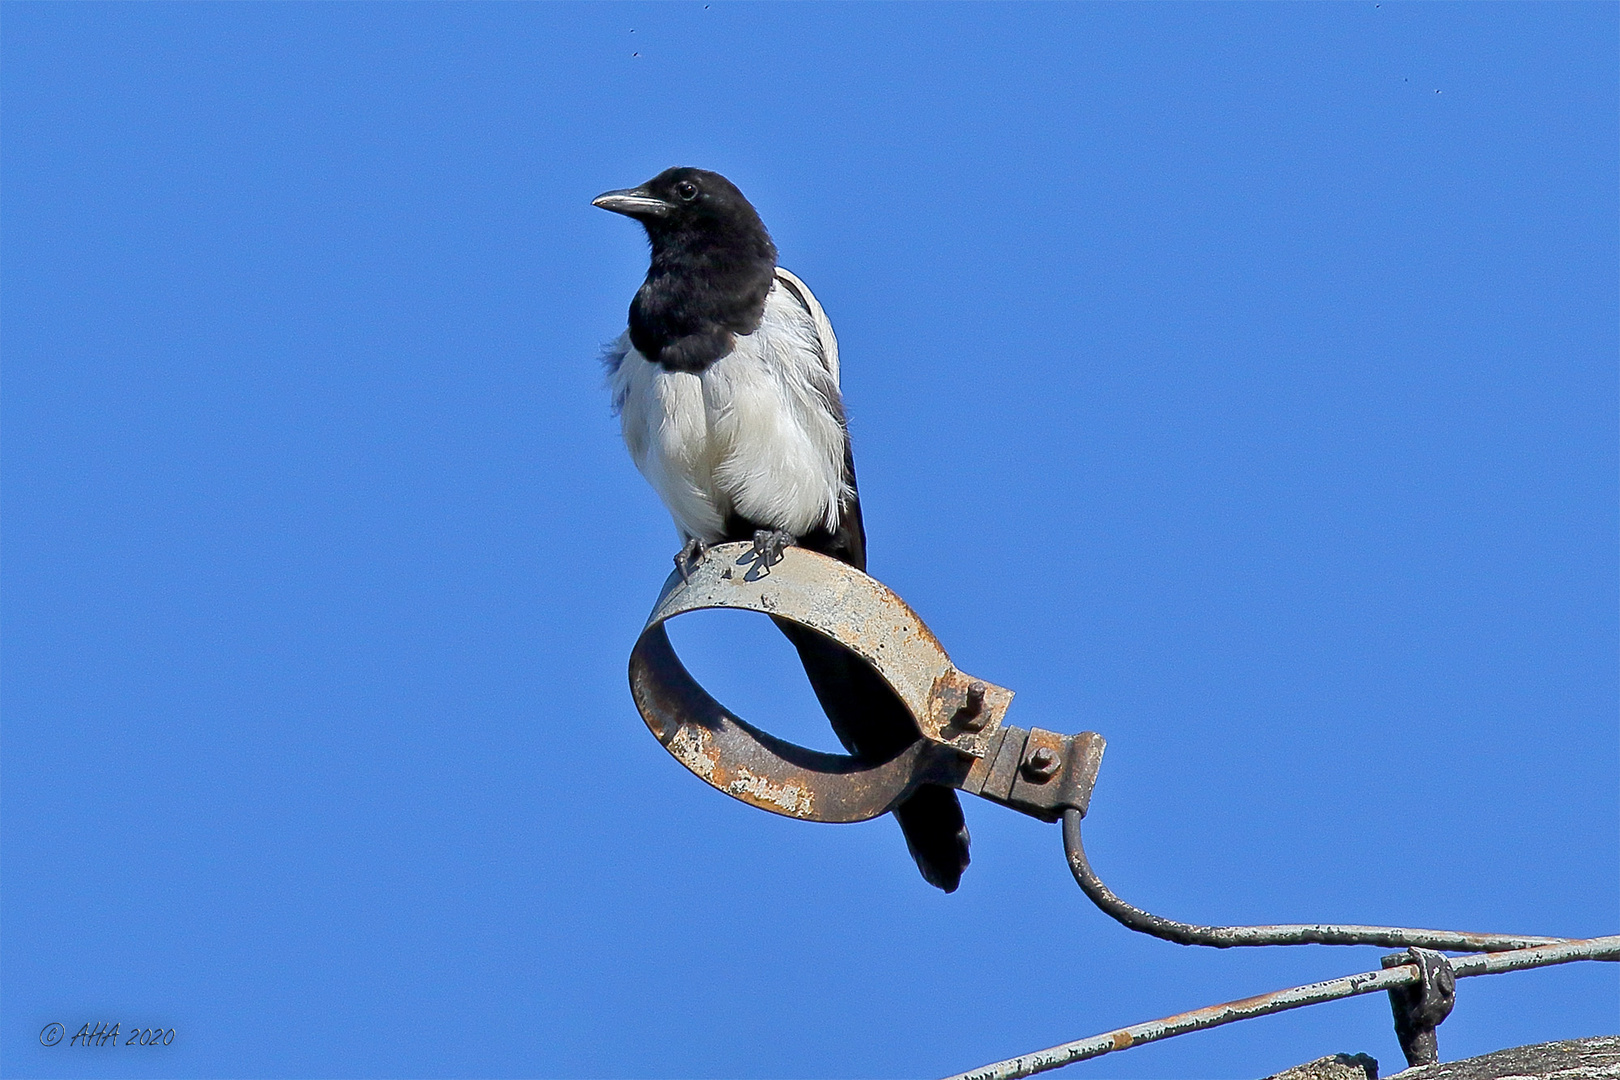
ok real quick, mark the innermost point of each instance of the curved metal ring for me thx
(959, 719)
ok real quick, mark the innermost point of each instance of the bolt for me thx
(1041, 764)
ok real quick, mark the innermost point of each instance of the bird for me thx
(727, 391)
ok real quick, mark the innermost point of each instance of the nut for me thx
(1041, 764)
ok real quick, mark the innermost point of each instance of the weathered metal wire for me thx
(964, 743)
(1226, 937)
(1370, 982)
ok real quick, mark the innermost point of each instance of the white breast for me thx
(759, 432)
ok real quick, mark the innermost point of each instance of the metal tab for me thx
(1004, 770)
(1050, 774)
(979, 774)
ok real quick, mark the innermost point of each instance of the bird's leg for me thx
(768, 545)
(688, 557)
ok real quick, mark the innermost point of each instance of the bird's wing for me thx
(847, 539)
(824, 330)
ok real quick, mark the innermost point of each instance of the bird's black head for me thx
(690, 206)
(712, 266)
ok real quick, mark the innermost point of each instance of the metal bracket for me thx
(1420, 1007)
(962, 740)
(1039, 773)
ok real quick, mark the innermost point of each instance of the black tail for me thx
(936, 834)
(872, 722)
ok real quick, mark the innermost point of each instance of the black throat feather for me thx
(707, 284)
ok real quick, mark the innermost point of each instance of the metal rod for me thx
(1371, 982)
(1226, 937)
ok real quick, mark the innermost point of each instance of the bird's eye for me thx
(686, 190)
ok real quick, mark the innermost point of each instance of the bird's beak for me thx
(632, 202)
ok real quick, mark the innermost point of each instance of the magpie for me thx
(726, 389)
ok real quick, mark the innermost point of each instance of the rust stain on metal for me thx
(793, 799)
(693, 747)
(964, 712)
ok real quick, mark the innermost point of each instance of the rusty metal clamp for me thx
(1420, 1007)
(962, 739)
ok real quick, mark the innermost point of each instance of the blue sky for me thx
(1236, 381)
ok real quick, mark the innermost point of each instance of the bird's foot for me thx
(768, 546)
(687, 559)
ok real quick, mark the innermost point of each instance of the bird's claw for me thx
(687, 559)
(768, 546)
